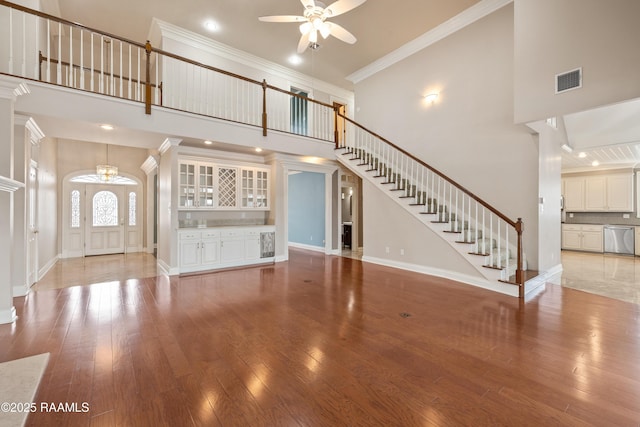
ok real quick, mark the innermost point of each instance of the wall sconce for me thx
(431, 97)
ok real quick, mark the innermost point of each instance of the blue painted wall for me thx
(306, 208)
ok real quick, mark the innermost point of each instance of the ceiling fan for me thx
(314, 21)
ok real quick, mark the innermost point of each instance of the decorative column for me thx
(150, 168)
(27, 135)
(10, 89)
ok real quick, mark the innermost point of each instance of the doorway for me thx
(351, 215)
(32, 226)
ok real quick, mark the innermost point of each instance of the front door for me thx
(105, 220)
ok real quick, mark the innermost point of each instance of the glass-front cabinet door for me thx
(205, 186)
(187, 185)
(262, 189)
(247, 188)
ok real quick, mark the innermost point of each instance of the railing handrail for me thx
(67, 22)
(437, 172)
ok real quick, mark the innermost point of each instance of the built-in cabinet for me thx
(583, 237)
(205, 185)
(224, 247)
(598, 193)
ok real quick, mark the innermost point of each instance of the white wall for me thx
(553, 37)
(468, 133)
(48, 196)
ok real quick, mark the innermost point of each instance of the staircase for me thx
(486, 238)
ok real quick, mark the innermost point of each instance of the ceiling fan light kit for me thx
(314, 21)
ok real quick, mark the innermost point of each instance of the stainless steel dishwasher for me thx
(619, 239)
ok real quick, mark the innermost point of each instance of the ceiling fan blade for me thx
(340, 7)
(282, 18)
(339, 32)
(308, 4)
(303, 44)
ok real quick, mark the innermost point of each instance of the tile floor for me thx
(614, 276)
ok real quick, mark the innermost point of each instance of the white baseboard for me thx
(48, 266)
(166, 270)
(307, 247)
(20, 291)
(480, 282)
(282, 258)
(8, 315)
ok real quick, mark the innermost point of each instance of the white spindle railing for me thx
(477, 222)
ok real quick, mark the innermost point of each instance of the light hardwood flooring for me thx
(325, 341)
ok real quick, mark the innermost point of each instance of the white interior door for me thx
(32, 240)
(105, 220)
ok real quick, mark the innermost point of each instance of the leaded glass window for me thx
(105, 209)
(75, 209)
(132, 209)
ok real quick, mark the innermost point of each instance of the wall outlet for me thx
(401, 251)
(188, 215)
(311, 238)
(570, 215)
(386, 249)
(625, 216)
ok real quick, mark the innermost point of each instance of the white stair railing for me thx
(490, 234)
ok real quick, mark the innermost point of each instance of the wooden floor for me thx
(328, 341)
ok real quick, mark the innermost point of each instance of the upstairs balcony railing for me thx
(45, 48)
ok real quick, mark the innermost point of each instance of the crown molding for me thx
(458, 22)
(160, 29)
(35, 132)
(168, 143)
(149, 165)
(12, 89)
(9, 185)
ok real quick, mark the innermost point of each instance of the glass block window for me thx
(132, 209)
(105, 209)
(75, 209)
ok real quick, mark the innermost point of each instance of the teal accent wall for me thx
(307, 208)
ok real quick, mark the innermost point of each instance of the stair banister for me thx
(517, 225)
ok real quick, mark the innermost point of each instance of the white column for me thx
(27, 134)
(150, 168)
(10, 89)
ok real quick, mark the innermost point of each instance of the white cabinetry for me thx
(582, 237)
(254, 187)
(213, 248)
(573, 193)
(196, 185)
(637, 241)
(598, 193)
(199, 250)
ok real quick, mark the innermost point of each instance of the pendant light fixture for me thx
(107, 172)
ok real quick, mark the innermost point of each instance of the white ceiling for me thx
(381, 26)
(609, 135)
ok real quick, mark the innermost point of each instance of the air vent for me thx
(569, 80)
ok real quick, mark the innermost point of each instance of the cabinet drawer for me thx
(231, 233)
(210, 234)
(571, 227)
(189, 235)
(253, 232)
(596, 228)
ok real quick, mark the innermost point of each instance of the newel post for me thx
(336, 137)
(147, 88)
(264, 107)
(519, 270)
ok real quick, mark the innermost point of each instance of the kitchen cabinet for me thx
(573, 193)
(254, 188)
(582, 237)
(223, 247)
(637, 241)
(598, 193)
(196, 185)
(198, 250)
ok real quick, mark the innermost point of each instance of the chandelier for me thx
(106, 172)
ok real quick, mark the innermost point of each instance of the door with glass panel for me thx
(105, 220)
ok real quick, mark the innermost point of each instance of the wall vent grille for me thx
(569, 80)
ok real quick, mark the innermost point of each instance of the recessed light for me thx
(431, 97)
(208, 142)
(295, 60)
(582, 155)
(211, 26)
(595, 163)
(258, 150)
(106, 127)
